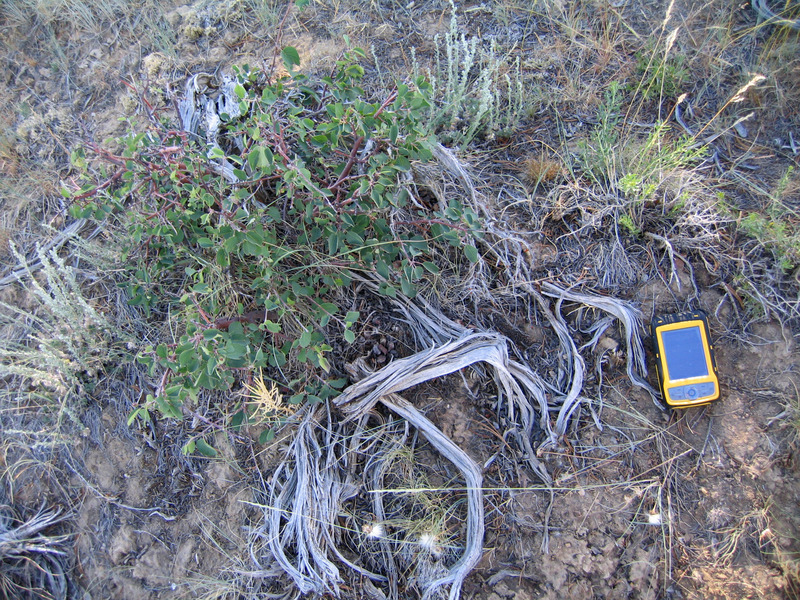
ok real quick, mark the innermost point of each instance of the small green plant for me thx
(266, 12)
(649, 162)
(627, 223)
(633, 186)
(659, 76)
(599, 156)
(155, 28)
(634, 168)
(423, 519)
(251, 271)
(777, 227)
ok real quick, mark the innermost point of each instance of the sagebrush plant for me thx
(475, 89)
(68, 339)
(251, 272)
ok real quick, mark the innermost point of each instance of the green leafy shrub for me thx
(250, 271)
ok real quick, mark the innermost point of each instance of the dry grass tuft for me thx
(537, 169)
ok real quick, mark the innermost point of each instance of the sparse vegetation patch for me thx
(281, 318)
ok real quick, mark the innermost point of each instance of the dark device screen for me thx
(683, 349)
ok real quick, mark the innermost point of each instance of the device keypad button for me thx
(706, 389)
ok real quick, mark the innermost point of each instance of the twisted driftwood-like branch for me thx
(474, 486)
(628, 315)
(766, 13)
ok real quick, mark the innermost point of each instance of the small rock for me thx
(124, 543)
(232, 37)
(503, 589)
(174, 18)
(154, 566)
(607, 343)
(218, 54)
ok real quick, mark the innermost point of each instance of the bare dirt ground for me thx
(647, 504)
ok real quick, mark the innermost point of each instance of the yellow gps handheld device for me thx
(687, 371)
